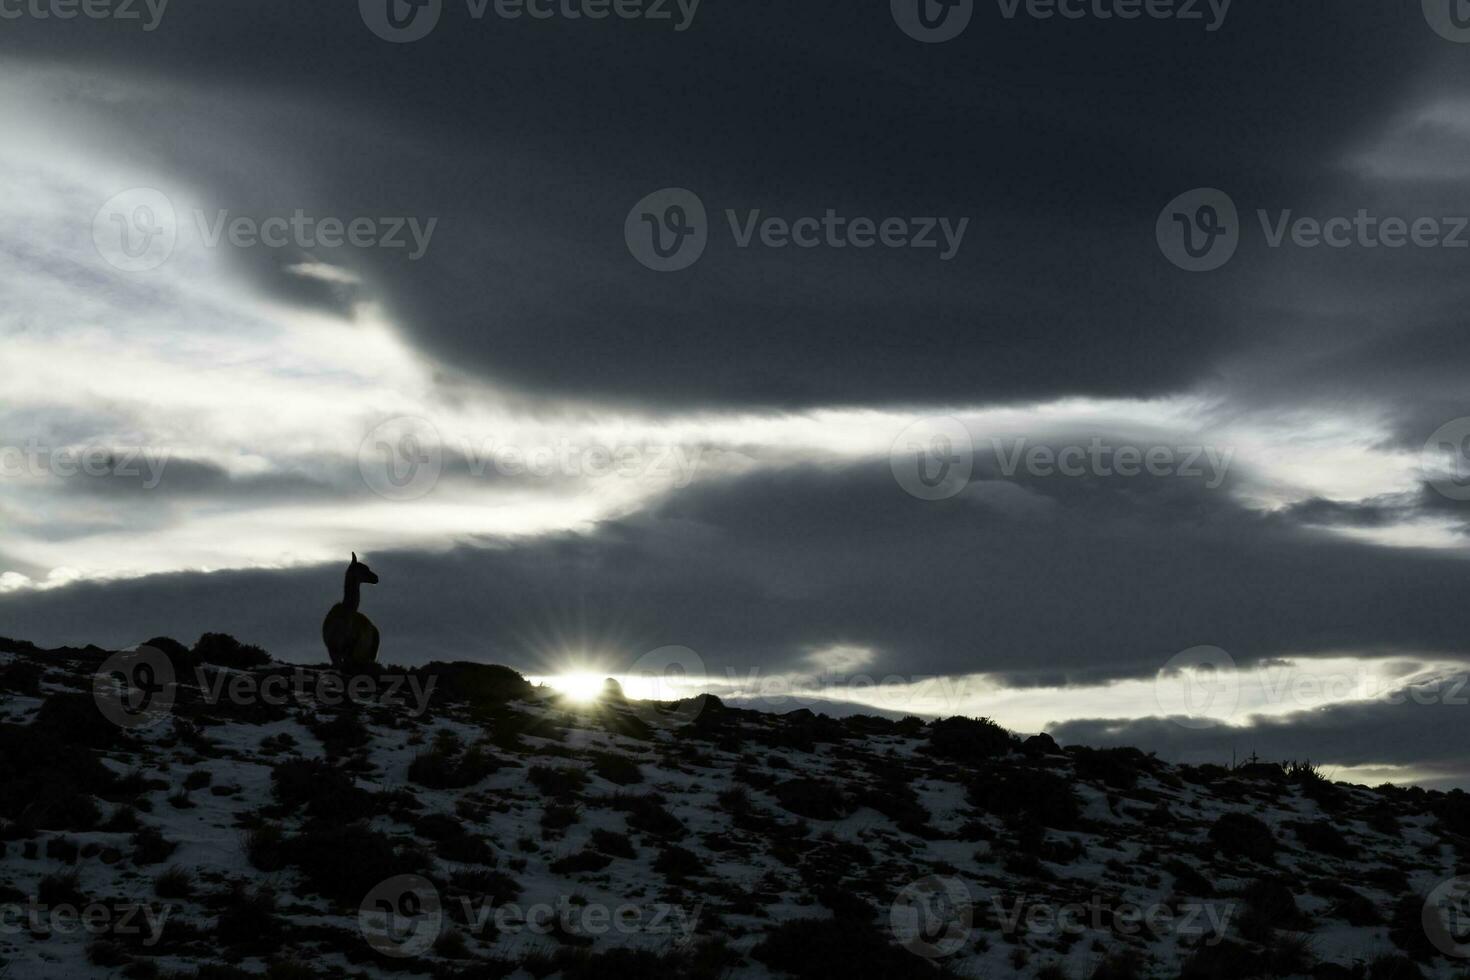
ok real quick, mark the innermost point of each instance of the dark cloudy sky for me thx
(614, 460)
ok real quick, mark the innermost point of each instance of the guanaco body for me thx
(351, 638)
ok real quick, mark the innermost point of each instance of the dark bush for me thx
(832, 949)
(150, 846)
(1119, 768)
(446, 767)
(814, 798)
(1322, 837)
(342, 863)
(320, 791)
(479, 684)
(1044, 796)
(968, 739)
(1394, 968)
(678, 862)
(1223, 961)
(223, 650)
(580, 862)
(613, 844)
(565, 784)
(616, 768)
(1242, 835)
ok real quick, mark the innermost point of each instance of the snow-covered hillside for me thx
(222, 816)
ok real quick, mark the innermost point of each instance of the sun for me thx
(577, 685)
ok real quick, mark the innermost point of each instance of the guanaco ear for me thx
(354, 558)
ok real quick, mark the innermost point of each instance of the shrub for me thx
(446, 767)
(814, 798)
(1322, 837)
(1223, 961)
(678, 862)
(319, 790)
(150, 847)
(1389, 967)
(343, 862)
(248, 920)
(832, 949)
(176, 882)
(968, 739)
(561, 783)
(1242, 835)
(580, 862)
(1044, 796)
(1188, 880)
(616, 768)
(265, 847)
(61, 889)
(1119, 768)
(612, 844)
(223, 650)
(647, 813)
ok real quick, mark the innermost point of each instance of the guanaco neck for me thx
(351, 591)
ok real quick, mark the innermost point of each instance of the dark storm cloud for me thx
(532, 140)
(1046, 580)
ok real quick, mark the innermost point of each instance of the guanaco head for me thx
(360, 572)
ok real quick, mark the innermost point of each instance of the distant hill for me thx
(221, 815)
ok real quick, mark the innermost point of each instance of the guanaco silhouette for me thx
(351, 638)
